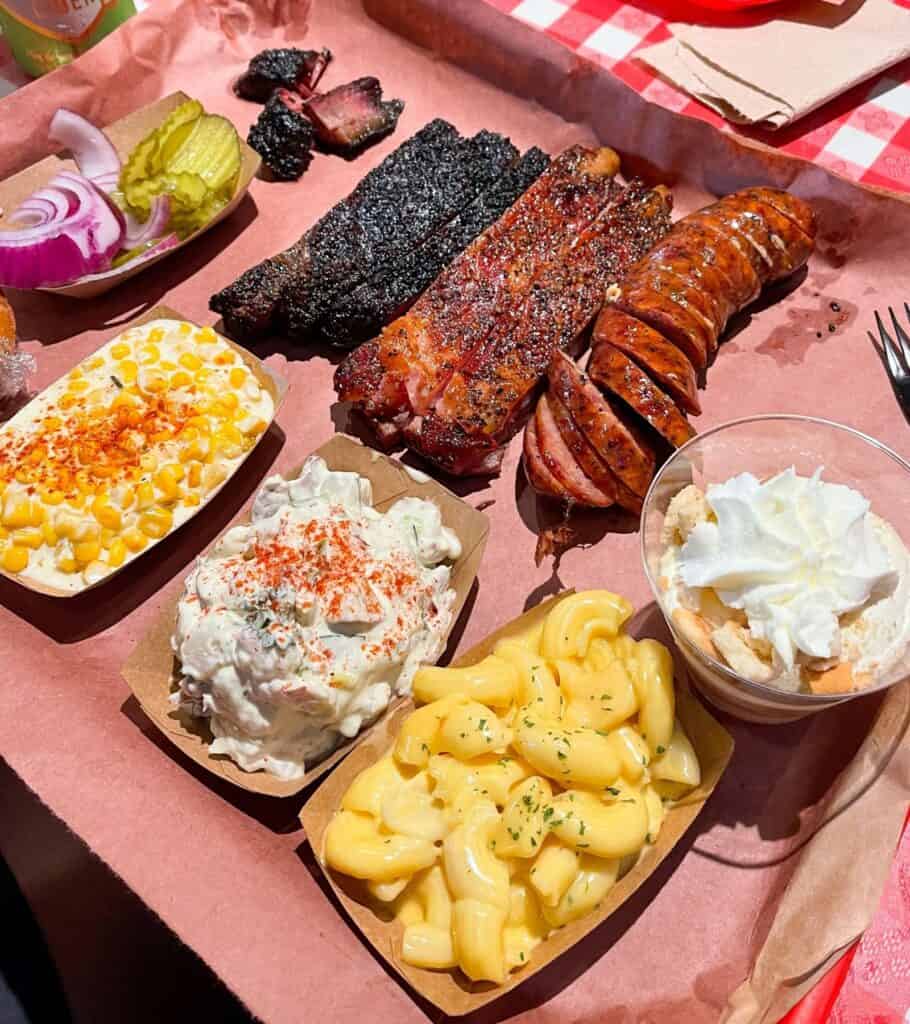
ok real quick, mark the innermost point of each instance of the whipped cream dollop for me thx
(794, 554)
(298, 627)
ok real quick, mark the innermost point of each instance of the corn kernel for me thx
(75, 374)
(206, 336)
(107, 514)
(87, 551)
(38, 515)
(66, 563)
(214, 475)
(226, 357)
(181, 379)
(228, 432)
(167, 479)
(237, 376)
(23, 475)
(116, 553)
(51, 423)
(4, 533)
(134, 539)
(149, 462)
(77, 500)
(49, 534)
(167, 366)
(202, 375)
(148, 355)
(78, 386)
(156, 522)
(194, 474)
(230, 401)
(15, 558)
(107, 535)
(123, 495)
(190, 361)
(255, 428)
(153, 381)
(17, 512)
(145, 496)
(185, 328)
(123, 399)
(30, 537)
(51, 496)
(66, 401)
(94, 364)
(128, 371)
(191, 500)
(120, 351)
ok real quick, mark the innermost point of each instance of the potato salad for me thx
(299, 627)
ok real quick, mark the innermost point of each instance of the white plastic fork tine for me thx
(902, 338)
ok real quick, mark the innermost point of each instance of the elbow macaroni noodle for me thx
(515, 796)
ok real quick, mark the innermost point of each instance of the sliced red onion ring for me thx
(92, 150)
(138, 233)
(80, 235)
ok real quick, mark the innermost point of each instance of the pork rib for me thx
(388, 294)
(402, 372)
(487, 399)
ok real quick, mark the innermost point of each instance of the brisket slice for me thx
(488, 398)
(355, 239)
(385, 296)
(393, 208)
(402, 372)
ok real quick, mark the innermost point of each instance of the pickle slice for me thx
(211, 150)
(150, 156)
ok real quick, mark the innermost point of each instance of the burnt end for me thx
(378, 301)
(283, 138)
(289, 68)
(351, 117)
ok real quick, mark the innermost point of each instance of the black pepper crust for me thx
(379, 300)
(418, 188)
(283, 137)
(402, 208)
(287, 68)
(251, 306)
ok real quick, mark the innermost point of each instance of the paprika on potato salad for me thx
(299, 626)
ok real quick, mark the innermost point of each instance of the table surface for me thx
(864, 135)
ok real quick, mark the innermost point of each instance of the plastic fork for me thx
(895, 354)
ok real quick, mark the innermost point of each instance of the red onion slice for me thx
(81, 236)
(92, 150)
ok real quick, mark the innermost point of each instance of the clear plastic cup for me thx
(764, 446)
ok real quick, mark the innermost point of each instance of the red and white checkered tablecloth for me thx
(863, 134)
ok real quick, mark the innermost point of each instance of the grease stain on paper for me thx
(806, 326)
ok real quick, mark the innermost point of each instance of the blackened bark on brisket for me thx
(252, 306)
(284, 68)
(378, 301)
(404, 206)
(283, 137)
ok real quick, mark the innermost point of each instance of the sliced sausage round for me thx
(613, 371)
(662, 360)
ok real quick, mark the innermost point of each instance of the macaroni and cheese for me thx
(519, 792)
